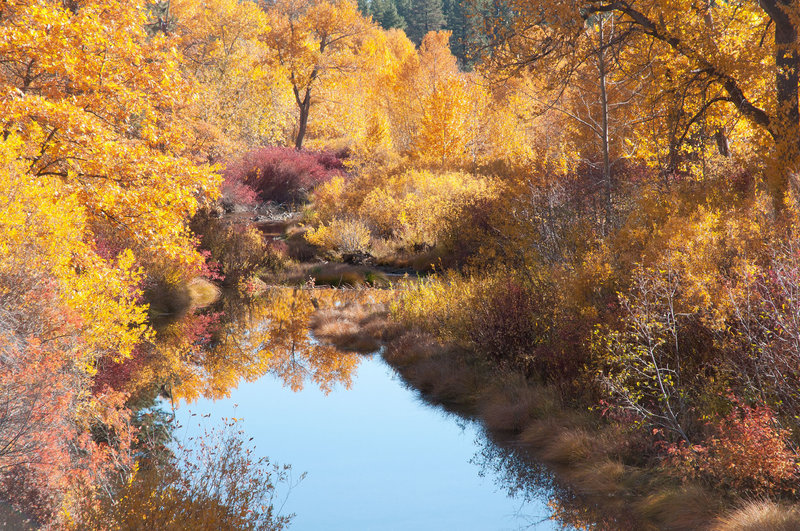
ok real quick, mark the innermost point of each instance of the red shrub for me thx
(235, 192)
(509, 321)
(747, 451)
(116, 375)
(281, 174)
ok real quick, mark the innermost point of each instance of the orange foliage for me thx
(748, 451)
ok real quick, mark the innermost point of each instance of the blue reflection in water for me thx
(377, 458)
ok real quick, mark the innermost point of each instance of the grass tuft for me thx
(202, 292)
(684, 507)
(514, 403)
(761, 515)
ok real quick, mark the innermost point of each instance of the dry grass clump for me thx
(444, 375)
(760, 515)
(379, 325)
(330, 324)
(411, 348)
(602, 478)
(514, 403)
(568, 447)
(686, 507)
(447, 379)
(354, 327)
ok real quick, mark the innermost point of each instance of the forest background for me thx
(607, 191)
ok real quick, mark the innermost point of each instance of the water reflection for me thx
(399, 463)
(519, 477)
(269, 334)
(377, 457)
(522, 477)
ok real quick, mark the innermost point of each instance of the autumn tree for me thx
(694, 42)
(603, 91)
(99, 105)
(243, 102)
(313, 41)
(101, 167)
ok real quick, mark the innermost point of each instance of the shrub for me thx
(415, 210)
(341, 236)
(503, 318)
(417, 207)
(238, 252)
(509, 320)
(282, 174)
(235, 192)
(766, 331)
(747, 451)
(642, 365)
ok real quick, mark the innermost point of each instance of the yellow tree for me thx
(743, 56)
(313, 41)
(390, 120)
(443, 109)
(243, 101)
(444, 127)
(100, 170)
(100, 105)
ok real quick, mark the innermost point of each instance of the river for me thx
(376, 456)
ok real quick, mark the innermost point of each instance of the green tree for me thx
(424, 16)
(386, 13)
(463, 24)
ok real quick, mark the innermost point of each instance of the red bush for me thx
(747, 451)
(509, 322)
(235, 192)
(281, 174)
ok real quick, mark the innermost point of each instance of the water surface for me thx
(377, 457)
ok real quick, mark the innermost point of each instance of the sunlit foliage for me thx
(242, 102)
(412, 210)
(615, 182)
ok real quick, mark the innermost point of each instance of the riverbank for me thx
(594, 461)
(612, 474)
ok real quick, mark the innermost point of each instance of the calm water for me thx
(377, 457)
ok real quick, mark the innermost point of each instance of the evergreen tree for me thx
(365, 7)
(404, 9)
(459, 25)
(465, 21)
(424, 16)
(385, 13)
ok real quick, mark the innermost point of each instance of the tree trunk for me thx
(301, 130)
(601, 67)
(304, 105)
(787, 119)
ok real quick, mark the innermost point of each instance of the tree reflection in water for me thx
(269, 334)
(518, 472)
